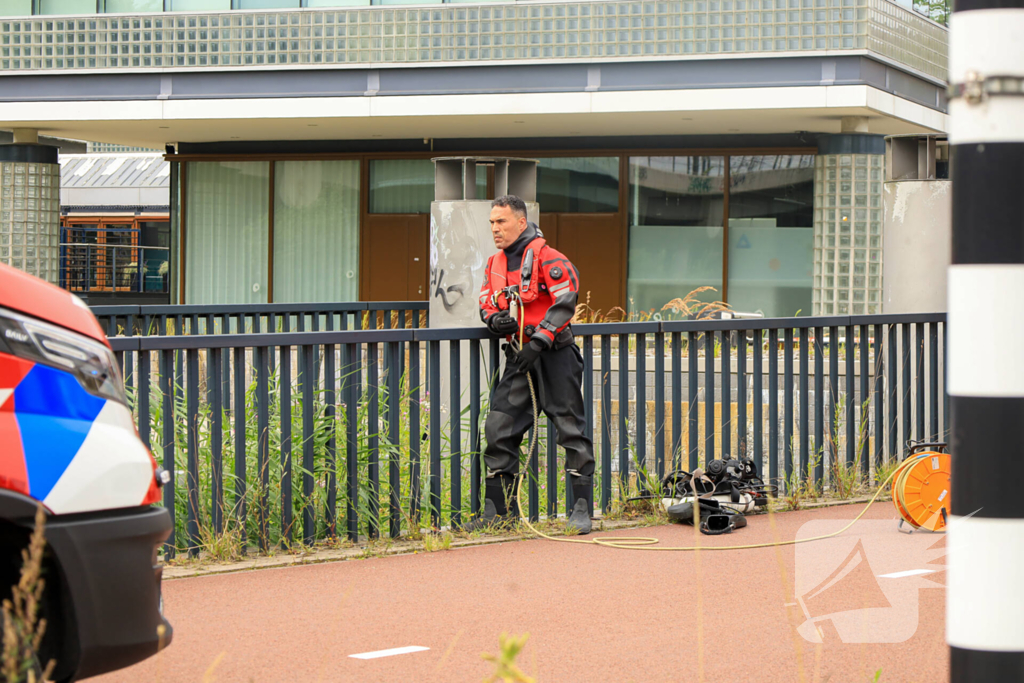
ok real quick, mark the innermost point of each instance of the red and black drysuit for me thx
(549, 303)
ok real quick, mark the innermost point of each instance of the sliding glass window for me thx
(578, 184)
(771, 233)
(316, 231)
(676, 207)
(226, 232)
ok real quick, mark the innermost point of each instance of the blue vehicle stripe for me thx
(54, 416)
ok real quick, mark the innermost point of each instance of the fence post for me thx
(167, 441)
(262, 369)
(985, 596)
(192, 445)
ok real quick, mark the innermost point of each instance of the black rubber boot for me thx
(579, 518)
(487, 519)
(496, 512)
(583, 487)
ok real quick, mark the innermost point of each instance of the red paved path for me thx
(593, 614)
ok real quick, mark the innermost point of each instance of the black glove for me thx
(502, 323)
(528, 355)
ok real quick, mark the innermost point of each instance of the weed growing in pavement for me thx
(23, 628)
(846, 477)
(885, 470)
(505, 668)
(440, 541)
(800, 485)
(377, 547)
(227, 546)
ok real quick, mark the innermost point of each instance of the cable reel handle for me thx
(939, 446)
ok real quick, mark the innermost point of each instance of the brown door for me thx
(396, 257)
(592, 241)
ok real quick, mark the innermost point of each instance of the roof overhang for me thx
(710, 97)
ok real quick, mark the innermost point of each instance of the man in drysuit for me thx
(547, 287)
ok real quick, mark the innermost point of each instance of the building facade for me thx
(115, 227)
(735, 144)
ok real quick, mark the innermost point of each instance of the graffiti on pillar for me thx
(449, 295)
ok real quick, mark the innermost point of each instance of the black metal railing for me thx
(304, 435)
(107, 268)
(179, 319)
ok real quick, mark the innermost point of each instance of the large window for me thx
(316, 231)
(578, 184)
(771, 233)
(676, 215)
(227, 207)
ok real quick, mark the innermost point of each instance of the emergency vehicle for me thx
(67, 440)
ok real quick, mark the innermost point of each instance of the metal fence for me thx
(176, 319)
(305, 435)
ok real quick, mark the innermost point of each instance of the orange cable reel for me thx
(920, 488)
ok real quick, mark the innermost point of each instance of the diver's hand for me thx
(502, 323)
(529, 354)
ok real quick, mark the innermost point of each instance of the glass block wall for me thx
(30, 217)
(848, 234)
(616, 29)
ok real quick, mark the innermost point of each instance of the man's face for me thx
(506, 226)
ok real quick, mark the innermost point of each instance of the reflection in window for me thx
(401, 185)
(266, 4)
(578, 184)
(198, 5)
(156, 240)
(117, 6)
(771, 233)
(407, 185)
(675, 235)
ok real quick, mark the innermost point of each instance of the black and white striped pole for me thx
(985, 542)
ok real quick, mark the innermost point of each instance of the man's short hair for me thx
(513, 202)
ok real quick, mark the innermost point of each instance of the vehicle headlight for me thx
(92, 363)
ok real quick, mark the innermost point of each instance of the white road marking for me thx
(909, 572)
(389, 653)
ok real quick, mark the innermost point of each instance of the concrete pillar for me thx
(917, 224)
(848, 225)
(460, 233)
(460, 244)
(30, 209)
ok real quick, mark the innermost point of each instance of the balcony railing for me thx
(94, 268)
(380, 35)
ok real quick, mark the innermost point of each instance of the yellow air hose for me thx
(648, 542)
